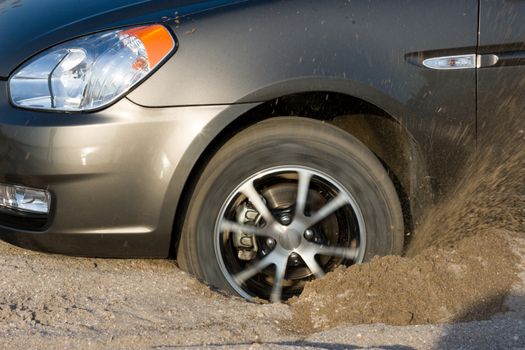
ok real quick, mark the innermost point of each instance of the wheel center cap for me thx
(290, 239)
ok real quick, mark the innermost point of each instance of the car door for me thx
(501, 73)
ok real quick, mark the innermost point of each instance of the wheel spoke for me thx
(253, 269)
(342, 252)
(302, 191)
(253, 196)
(280, 270)
(327, 210)
(227, 225)
(312, 264)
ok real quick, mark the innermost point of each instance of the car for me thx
(259, 143)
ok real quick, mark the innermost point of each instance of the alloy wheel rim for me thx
(292, 237)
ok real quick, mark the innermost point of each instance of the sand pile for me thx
(466, 280)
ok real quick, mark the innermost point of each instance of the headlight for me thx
(90, 72)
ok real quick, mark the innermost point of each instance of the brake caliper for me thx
(245, 243)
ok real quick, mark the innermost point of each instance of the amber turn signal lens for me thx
(157, 41)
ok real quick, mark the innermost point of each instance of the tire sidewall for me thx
(319, 147)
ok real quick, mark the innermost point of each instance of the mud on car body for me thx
(260, 143)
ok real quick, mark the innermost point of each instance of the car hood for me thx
(30, 26)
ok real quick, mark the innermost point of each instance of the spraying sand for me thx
(459, 265)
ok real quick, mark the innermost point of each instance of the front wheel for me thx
(284, 202)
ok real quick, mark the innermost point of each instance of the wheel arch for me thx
(381, 132)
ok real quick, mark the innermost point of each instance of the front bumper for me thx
(115, 176)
